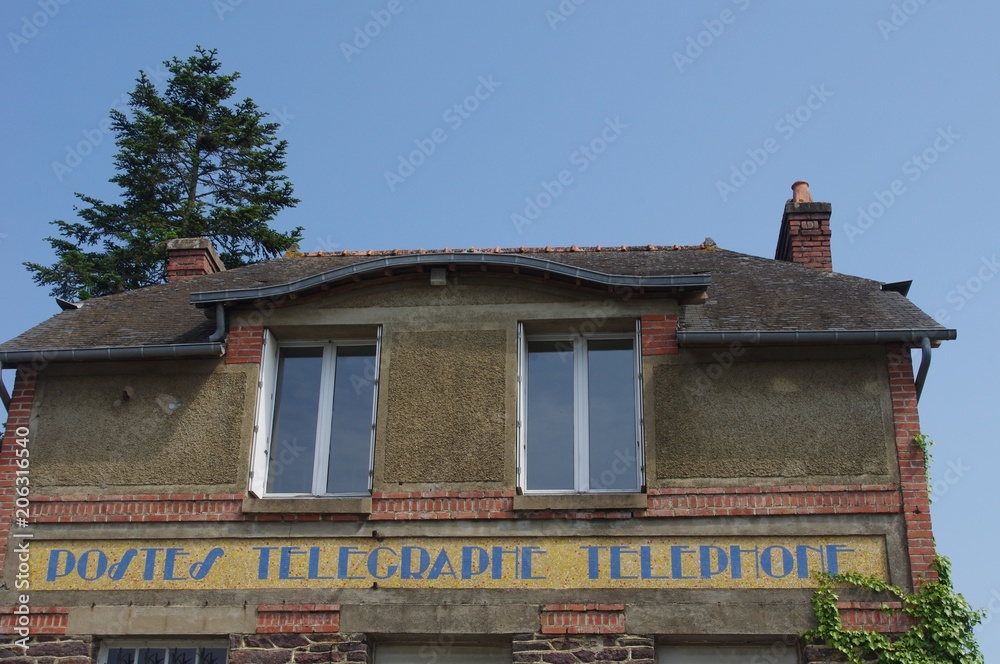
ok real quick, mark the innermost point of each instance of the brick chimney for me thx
(805, 231)
(191, 257)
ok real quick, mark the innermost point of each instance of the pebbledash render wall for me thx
(739, 441)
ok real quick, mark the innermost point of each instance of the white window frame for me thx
(159, 644)
(581, 410)
(264, 418)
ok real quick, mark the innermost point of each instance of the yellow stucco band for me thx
(484, 563)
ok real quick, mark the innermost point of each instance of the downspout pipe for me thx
(925, 365)
(220, 323)
(4, 394)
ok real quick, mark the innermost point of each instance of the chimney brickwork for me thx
(191, 257)
(805, 231)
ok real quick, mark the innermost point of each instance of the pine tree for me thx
(188, 165)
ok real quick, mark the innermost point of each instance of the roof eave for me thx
(659, 283)
(701, 338)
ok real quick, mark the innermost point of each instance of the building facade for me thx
(558, 455)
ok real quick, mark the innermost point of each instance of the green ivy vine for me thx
(943, 621)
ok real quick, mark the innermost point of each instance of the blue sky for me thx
(709, 111)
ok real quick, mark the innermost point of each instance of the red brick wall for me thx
(870, 616)
(659, 335)
(582, 619)
(188, 263)
(912, 473)
(443, 505)
(244, 344)
(298, 618)
(41, 620)
(18, 420)
(805, 236)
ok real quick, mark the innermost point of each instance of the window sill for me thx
(307, 505)
(575, 501)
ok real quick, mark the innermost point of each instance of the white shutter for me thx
(266, 384)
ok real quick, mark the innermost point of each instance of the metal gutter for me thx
(925, 365)
(152, 352)
(780, 337)
(685, 282)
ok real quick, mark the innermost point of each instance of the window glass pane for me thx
(549, 420)
(780, 652)
(121, 656)
(151, 656)
(183, 655)
(611, 396)
(351, 432)
(213, 656)
(296, 408)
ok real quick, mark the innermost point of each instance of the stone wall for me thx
(310, 648)
(49, 650)
(582, 649)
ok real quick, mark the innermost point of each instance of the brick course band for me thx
(298, 618)
(871, 616)
(41, 620)
(582, 619)
(454, 505)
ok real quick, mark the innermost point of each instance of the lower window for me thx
(164, 654)
(780, 652)
(442, 651)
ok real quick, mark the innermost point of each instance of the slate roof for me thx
(747, 293)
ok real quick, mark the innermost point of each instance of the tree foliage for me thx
(188, 165)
